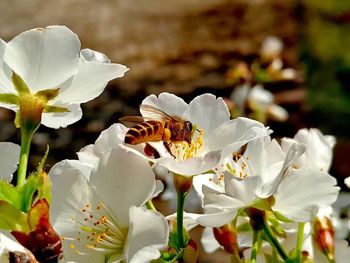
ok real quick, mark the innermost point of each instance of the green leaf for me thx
(48, 94)
(50, 108)
(7, 98)
(19, 84)
(10, 194)
(11, 218)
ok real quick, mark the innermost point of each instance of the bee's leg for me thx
(151, 151)
(167, 146)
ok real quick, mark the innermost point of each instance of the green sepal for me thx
(48, 94)
(12, 218)
(10, 194)
(40, 167)
(173, 239)
(275, 225)
(50, 108)
(165, 257)
(8, 98)
(261, 204)
(245, 227)
(18, 120)
(272, 258)
(19, 84)
(281, 217)
(30, 191)
(37, 186)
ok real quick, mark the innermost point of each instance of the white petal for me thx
(169, 103)
(6, 85)
(93, 56)
(87, 156)
(216, 217)
(207, 112)
(44, 58)
(271, 46)
(271, 183)
(110, 138)
(71, 256)
(262, 153)
(303, 191)
(233, 134)
(260, 95)
(61, 120)
(208, 240)
(89, 82)
(192, 166)
(159, 188)
(276, 112)
(239, 96)
(222, 201)
(123, 179)
(189, 220)
(70, 192)
(241, 189)
(347, 181)
(205, 179)
(342, 251)
(319, 150)
(148, 232)
(8, 160)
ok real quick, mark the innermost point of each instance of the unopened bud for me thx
(182, 184)
(190, 254)
(227, 237)
(30, 111)
(324, 236)
(42, 241)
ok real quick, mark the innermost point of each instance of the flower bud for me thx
(190, 254)
(42, 240)
(182, 184)
(324, 236)
(227, 237)
(30, 111)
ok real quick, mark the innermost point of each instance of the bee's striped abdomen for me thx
(149, 131)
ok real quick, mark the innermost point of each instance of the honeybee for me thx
(160, 127)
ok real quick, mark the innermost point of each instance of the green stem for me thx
(150, 205)
(27, 135)
(255, 247)
(181, 196)
(300, 239)
(274, 242)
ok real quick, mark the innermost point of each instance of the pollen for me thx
(183, 150)
(99, 231)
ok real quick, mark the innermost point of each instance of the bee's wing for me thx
(130, 121)
(155, 113)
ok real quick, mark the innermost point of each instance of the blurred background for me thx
(286, 63)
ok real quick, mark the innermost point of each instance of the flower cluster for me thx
(263, 201)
